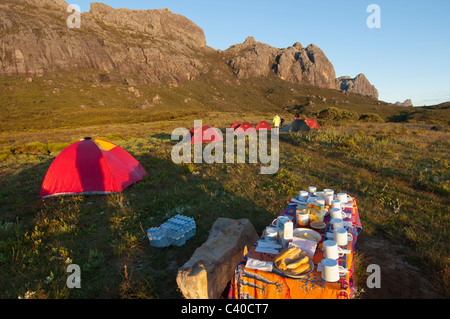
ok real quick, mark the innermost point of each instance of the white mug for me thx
(332, 250)
(280, 221)
(303, 196)
(312, 190)
(331, 270)
(343, 198)
(336, 213)
(336, 203)
(342, 237)
(337, 223)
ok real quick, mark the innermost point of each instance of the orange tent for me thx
(312, 123)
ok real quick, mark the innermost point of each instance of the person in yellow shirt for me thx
(276, 124)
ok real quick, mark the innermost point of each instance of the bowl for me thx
(318, 226)
(308, 234)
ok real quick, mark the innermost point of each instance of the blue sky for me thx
(408, 57)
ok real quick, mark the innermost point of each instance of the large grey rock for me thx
(408, 102)
(360, 85)
(251, 58)
(294, 64)
(212, 265)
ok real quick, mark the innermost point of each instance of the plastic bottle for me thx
(193, 228)
(168, 234)
(156, 235)
(179, 239)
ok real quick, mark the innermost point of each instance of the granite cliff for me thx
(145, 46)
(137, 47)
(359, 85)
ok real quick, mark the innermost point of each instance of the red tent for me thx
(263, 125)
(312, 123)
(204, 134)
(245, 127)
(91, 167)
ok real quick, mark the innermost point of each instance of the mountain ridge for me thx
(139, 47)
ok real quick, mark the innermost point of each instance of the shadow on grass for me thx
(106, 234)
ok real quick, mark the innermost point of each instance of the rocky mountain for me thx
(145, 46)
(408, 103)
(137, 47)
(359, 85)
(295, 64)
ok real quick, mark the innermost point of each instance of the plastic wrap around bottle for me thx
(176, 231)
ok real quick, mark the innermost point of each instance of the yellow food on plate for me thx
(289, 256)
(297, 263)
(300, 269)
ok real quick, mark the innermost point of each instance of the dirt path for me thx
(399, 279)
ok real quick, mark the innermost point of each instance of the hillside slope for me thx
(132, 66)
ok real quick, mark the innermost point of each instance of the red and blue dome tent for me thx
(89, 167)
(235, 125)
(301, 125)
(311, 123)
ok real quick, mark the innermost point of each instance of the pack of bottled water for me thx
(176, 231)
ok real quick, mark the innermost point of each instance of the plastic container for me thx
(178, 237)
(157, 237)
(302, 216)
(176, 231)
(316, 212)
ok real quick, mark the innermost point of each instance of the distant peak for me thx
(250, 40)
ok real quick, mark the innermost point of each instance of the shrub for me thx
(371, 117)
(335, 114)
(34, 148)
(350, 143)
(57, 147)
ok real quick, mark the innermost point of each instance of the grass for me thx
(398, 171)
(44, 103)
(105, 235)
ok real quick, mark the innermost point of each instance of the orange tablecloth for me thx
(251, 283)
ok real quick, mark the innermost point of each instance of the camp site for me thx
(137, 161)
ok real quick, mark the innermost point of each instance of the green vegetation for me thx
(399, 172)
(45, 103)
